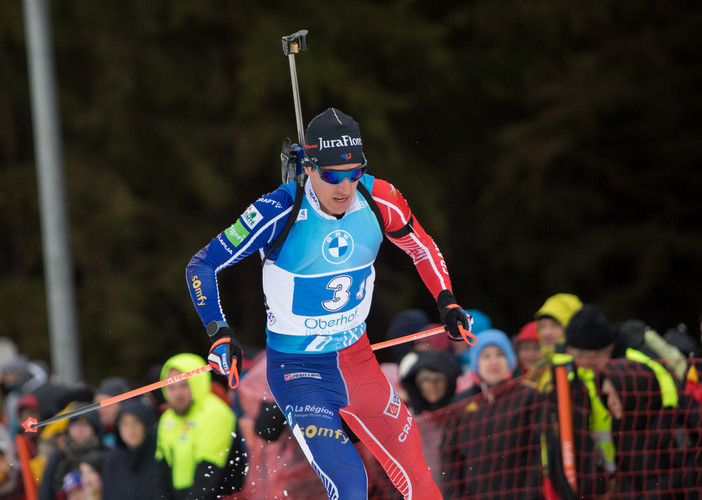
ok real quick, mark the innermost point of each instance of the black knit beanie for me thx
(590, 329)
(333, 138)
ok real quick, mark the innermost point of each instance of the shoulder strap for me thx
(403, 231)
(299, 195)
(373, 205)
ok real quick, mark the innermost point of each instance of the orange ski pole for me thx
(31, 424)
(31, 491)
(565, 418)
(426, 333)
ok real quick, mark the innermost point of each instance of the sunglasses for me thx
(338, 176)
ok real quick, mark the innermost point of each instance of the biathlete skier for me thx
(318, 288)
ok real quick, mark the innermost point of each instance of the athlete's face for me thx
(333, 198)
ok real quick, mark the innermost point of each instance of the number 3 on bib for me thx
(341, 285)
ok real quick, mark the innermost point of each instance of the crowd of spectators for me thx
(198, 439)
(179, 443)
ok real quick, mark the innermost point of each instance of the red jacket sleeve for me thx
(404, 230)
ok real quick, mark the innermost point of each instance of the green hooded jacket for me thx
(204, 434)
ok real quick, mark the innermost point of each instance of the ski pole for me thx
(561, 363)
(426, 333)
(31, 424)
(292, 44)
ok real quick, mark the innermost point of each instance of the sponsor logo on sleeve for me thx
(251, 217)
(200, 298)
(224, 244)
(392, 409)
(405, 430)
(236, 233)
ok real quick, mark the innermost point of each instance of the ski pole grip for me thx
(294, 43)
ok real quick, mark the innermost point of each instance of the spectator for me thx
(33, 465)
(54, 396)
(429, 377)
(52, 438)
(90, 467)
(17, 377)
(10, 482)
(27, 407)
(153, 374)
(552, 318)
(197, 439)
(131, 469)
(404, 323)
(605, 366)
(83, 436)
(527, 348)
(687, 342)
(492, 361)
(71, 487)
(638, 335)
(475, 443)
(8, 351)
(109, 387)
(436, 342)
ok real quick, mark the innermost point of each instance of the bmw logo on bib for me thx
(337, 247)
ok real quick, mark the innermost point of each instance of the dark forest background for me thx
(547, 146)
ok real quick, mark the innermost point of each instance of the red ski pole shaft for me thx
(426, 333)
(408, 338)
(31, 425)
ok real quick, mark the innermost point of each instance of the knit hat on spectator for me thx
(95, 459)
(71, 481)
(28, 402)
(404, 323)
(481, 321)
(590, 329)
(333, 138)
(60, 426)
(560, 307)
(113, 386)
(492, 337)
(90, 418)
(141, 408)
(526, 333)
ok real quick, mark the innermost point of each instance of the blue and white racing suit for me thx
(318, 287)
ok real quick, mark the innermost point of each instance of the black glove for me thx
(452, 315)
(226, 351)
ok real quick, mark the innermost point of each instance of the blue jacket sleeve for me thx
(255, 230)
